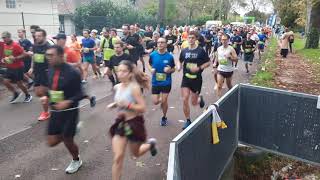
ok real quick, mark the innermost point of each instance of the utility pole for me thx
(161, 11)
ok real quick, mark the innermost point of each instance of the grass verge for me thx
(312, 56)
(265, 74)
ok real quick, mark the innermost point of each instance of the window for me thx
(11, 3)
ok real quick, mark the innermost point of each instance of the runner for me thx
(129, 128)
(152, 45)
(161, 65)
(33, 29)
(107, 47)
(65, 92)
(195, 60)
(97, 54)
(172, 40)
(27, 45)
(72, 59)
(284, 43)
(88, 48)
(262, 40)
(226, 56)
(117, 58)
(13, 58)
(213, 56)
(40, 69)
(131, 41)
(248, 47)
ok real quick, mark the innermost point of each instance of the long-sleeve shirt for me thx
(66, 82)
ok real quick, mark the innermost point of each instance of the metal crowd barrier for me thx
(276, 121)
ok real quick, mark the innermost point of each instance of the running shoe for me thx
(28, 98)
(201, 103)
(83, 81)
(74, 166)
(153, 149)
(93, 101)
(44, 116)
(164, 121)
(14, 98)
(186, 124)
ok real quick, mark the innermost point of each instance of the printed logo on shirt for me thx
(191, 55)
(8, 52)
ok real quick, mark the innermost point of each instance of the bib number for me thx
(161, 76)
(39, 58)
(223, 62)
(191, 65)
(56, 96)
(191, 76)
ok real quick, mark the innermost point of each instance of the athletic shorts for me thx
(225, 74)
(284, 52)
(194, 85)
(248, 57)
(98, 60)
(63, 123)
(41, 79)
(107, 63)
(170, 49)
(89, 60)
(27, 65)
(261, 46)
(14, 75)
(133, 129)
(161, 89)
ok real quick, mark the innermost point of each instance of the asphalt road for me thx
(24, 154)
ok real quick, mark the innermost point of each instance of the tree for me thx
(314, 30)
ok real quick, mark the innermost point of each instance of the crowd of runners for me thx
(58, 69)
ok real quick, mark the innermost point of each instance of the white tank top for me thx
(225, 65)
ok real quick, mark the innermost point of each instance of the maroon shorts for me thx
(133, 129)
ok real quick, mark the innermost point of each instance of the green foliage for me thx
(259, 16)
(313, 39)
(99, 14)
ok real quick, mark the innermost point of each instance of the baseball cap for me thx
(60, 36)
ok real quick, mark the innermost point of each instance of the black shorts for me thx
(41, 79)
(107, 63)
(248, 57)
(161, 89)
(194, 85)
(27, 65)
(225, 74)
(63, 123)
(14, 75)
(284, 52)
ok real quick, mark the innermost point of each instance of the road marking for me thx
(16, 132)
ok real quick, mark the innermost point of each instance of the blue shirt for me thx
(262, 37)
(88, 43)
(159, 62)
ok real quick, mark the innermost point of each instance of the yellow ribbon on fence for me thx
(216, 123)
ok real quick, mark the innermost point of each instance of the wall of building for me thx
(28, 12)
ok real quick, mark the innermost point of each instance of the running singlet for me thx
(193, 57)
(225, 64)
(159, 62)
(107, 46)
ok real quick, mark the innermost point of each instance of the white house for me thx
(15, 14)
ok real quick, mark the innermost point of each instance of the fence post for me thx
(22, 16)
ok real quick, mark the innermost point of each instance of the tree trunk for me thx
(314, 31)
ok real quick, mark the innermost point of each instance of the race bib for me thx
(191, 76)
(8, 52)
(248, 50)
(56, 96)
(223, 61)
(191, 65)
(170, 41)
(161, 76)
(260, 42)
(234, 45)
(38, 58)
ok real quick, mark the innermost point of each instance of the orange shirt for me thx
(76, 47)
(70, 55)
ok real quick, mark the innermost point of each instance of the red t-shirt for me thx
(13, 49)
(70, 55)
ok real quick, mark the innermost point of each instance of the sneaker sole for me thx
(68, 172)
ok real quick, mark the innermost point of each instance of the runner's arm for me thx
(140, 105)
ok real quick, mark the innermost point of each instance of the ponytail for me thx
(142, 78)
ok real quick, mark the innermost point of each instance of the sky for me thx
(266, 8)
